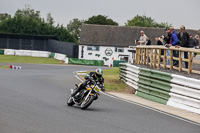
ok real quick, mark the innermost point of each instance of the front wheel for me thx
(87, 102)
(70, 101)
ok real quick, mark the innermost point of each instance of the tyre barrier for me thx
(169, 89)
(15, 67)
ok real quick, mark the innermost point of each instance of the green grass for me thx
(112, 81)
(27, 59)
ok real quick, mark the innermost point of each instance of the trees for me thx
(4, 16)
(144, 21)
(74, 28)
(50, 20)
(28, 22)
(101, 20)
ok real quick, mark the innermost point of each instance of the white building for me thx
(96, 44)
(108, 43)
(106, 53)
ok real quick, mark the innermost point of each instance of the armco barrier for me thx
(85, 62)
(185, 93)
(153, 85)
(129, 74)
(174, 90)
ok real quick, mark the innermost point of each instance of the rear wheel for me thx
(70, 101)
(87, 102)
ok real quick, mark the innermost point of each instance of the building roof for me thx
(119, 36)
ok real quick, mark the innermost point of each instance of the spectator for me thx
(192, 42)
(159, 42)
(174, 42)
(167, 38)
(167, 43)
(184, 41)
(196, 38)
(148, 41)
(143, 38)
(196, 41)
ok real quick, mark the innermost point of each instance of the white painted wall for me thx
(102, 54)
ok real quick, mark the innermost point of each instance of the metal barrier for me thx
(161, 87)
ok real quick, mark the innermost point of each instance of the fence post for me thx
(138, 56)
(165, 58)
(190, 62)
(171, 59)
(155, 54)
(180, 62)
(148, 56)
(159, 56)
(142, 56)
(145, 50)
(151, 57)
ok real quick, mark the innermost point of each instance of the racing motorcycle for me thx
(84, 97)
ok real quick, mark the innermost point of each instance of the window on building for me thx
(93, 48)
(118, 49)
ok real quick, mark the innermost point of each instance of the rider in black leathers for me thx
(92, 78)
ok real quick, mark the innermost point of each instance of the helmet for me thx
(98, 72)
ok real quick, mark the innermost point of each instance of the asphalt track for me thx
(33, 100)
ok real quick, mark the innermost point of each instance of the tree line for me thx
(27, 21)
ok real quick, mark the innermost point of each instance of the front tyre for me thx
(87, 102)
(70, 101)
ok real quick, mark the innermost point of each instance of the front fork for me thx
(88, 94)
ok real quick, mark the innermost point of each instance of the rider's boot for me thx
(76, 91)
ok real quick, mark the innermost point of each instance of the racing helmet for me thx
(98, 73)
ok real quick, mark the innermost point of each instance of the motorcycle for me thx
(85, 97)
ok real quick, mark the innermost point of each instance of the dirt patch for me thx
(126, 90)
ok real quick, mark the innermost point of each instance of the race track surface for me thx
(33, 100)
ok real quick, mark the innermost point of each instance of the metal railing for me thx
(151, 55)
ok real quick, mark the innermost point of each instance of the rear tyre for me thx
(70, 101)
(86, 103)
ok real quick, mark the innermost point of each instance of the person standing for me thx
(174, 42)
(159, 42)
(196, 38)
(143, 38)
(184, 41)
(192, 42)
(196, 41)
(167, 43)
(148, 41)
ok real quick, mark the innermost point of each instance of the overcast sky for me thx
(177, 12)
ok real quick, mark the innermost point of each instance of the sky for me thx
(177, 12)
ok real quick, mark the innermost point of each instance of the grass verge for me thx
(112, 81)
(27, 59)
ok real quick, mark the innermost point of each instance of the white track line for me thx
(141, 105)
